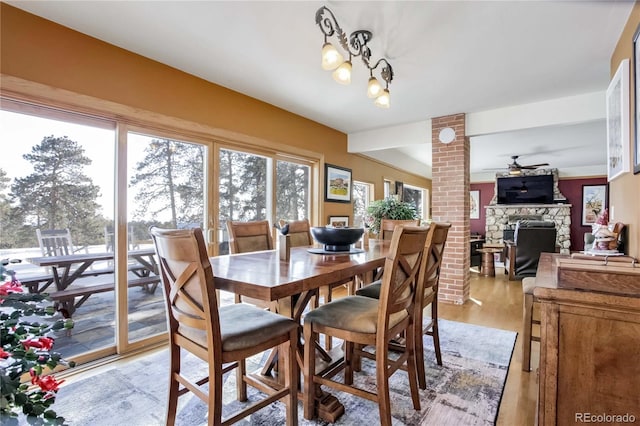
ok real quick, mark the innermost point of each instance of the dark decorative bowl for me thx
(336, 239)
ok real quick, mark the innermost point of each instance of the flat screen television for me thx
(525, 190)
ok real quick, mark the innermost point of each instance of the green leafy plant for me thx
(26, 355)
(389, 208)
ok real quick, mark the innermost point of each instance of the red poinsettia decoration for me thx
(26, 350)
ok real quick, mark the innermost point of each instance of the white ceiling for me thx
(473, 57)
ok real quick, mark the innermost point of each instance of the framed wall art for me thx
(474, 206)
(337, 184)
(618, 122)
(339, 221)
(636, 82)
(594, 201)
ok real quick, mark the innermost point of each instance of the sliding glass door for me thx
(104, 183)
(165, 188)
(57, 173)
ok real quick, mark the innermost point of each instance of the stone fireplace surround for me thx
(501, 217)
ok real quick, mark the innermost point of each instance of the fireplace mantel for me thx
(519, 206)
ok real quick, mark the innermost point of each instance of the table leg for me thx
(328, 407)
(488, 268)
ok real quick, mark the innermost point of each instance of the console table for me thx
(589, 347)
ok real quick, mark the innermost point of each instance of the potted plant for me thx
(389, 208)
(26, 354)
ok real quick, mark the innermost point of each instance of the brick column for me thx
(450, 203)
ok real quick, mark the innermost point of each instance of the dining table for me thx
(292, 284)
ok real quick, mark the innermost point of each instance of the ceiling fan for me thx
(515, 168)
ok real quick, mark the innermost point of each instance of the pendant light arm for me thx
(386, 72)
(356, 45)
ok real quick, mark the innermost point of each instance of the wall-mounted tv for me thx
(525, 190)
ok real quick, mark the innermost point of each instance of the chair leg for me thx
(382, 382)
(435, 332)
(328, 340)
(348, 361)
(411, 361)
(215, 396)
(527, 320)
(419, 353)
(309, 369)
(174, 385)
(292, 377)
(241, 385)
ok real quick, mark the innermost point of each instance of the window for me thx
(387, 188)
(419, 197)
(292, 190)
(362, 194)
(247, 191)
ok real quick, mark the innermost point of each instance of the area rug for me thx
(466, 390)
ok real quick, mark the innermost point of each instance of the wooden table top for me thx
(71, 259)
(490, 250)
(262, 275)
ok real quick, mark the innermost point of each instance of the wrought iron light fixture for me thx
(355, 46)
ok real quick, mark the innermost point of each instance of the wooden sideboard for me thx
(589, 347)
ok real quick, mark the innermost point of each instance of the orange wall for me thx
(624, 191)
(41, 51)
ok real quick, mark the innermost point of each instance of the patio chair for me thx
(218, 336)
(56, 242)
(363, 321)
(110, 239)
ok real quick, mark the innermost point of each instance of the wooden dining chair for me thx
(300, 236)
(388, 225)
(245, 237)
(428, 302)
(300, 233)
(363, 321)
(222, 337)
(437, 239)
(385, 233)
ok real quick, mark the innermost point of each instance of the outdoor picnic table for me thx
(68, 269)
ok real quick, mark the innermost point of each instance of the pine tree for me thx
(169, 180)
(58, 194)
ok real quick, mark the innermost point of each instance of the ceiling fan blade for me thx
(534, 166)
